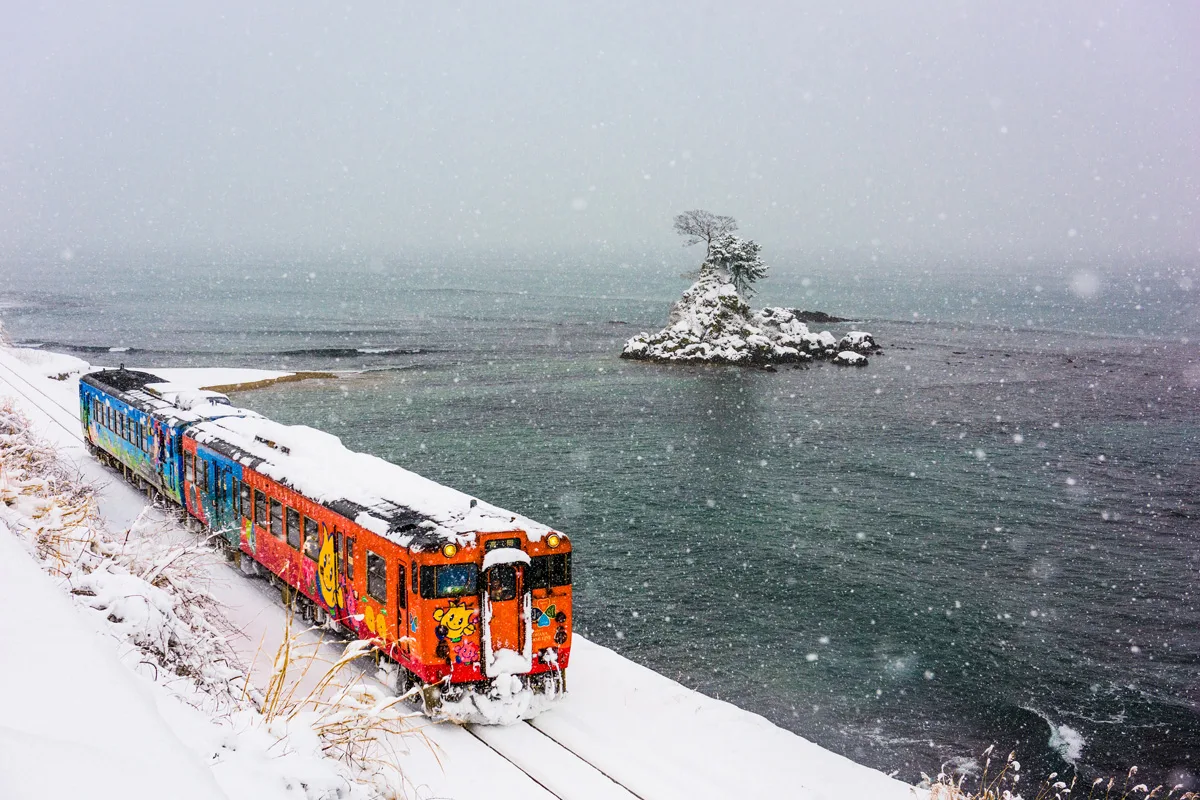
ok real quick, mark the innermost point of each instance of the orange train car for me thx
(471, 602)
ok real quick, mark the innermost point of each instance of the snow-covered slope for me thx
(74, 721)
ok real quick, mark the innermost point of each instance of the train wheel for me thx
(406, 682)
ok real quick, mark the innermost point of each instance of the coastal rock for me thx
(712, 324)
(849, 358)
(858, 341)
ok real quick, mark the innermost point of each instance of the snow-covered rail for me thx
(549, 763)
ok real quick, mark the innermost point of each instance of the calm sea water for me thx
(989, 535)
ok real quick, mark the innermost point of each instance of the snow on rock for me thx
(712, 324)
(849, 358)
(860, 341)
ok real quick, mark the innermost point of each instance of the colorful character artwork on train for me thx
(458, 620)
(545, 616)
(327, 574)
(466, 653)
(376, 621)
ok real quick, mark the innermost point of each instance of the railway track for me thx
(549, 763)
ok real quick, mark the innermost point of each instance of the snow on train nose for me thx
(507, 623)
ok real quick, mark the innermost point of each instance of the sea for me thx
(990, 535)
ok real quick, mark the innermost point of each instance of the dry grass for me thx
(355, 722)
(1004, 784)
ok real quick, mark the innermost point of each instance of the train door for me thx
(507, 631)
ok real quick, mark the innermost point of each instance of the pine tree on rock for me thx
(738, 259)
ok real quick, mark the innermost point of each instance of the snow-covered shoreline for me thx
(644, 729)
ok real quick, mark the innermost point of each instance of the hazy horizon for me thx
(1056, 134)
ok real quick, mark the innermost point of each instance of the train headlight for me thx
(553, 540)
(449, 550)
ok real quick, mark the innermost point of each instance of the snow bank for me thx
(76, 722)
(712, 324)
(58, 366)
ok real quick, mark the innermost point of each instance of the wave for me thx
(351, 352)
(85, 348)
(1067, 742)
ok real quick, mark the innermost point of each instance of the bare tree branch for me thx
(699, 225)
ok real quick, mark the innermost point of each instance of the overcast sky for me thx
(1055, 129)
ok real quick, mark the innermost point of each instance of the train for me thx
(468, 604)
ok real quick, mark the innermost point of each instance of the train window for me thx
(189, 467)
(415, 585)
(376, 577)
(276, 518)
(502, 582)
(202, 474)
(537, 574)
(449, 580)
(560, 569)
(247, 501)
(260, 509)
(546, 571)
(350, 557)
(401, 587)
(312, 539)
(293, 528)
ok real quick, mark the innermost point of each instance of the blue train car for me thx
(213, 490)
(137, 419)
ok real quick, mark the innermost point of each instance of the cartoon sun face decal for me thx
(458, 620)
(327, 577)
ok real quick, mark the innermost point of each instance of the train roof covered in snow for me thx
(173, 403)
(388, 500)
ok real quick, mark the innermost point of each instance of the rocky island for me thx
(712, 323)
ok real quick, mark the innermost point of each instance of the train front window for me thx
(502, 582)
(546, 571)
(456, 580)
(560, 569)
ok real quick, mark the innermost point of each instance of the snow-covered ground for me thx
(650, 736)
